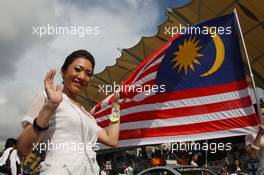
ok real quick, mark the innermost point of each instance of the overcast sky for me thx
(26, 57)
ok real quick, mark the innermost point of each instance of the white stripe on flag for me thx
(188, 119)
(145, 79)
(183, 138)
(149, 62)
(190, 102)
(153, 64)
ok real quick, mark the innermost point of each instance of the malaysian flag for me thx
(191, 88)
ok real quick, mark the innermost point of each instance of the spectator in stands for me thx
(9, 161)
(255, 146)
(129, 168)
(225, 169)
(194, 159)
(184, 158)
(157, 159)
(103, 172)
(235, 167)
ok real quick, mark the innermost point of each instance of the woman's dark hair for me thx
(10, 142)
(78, 54)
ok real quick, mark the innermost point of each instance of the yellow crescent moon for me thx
(220, 54)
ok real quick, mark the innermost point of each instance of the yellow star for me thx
(187, 55)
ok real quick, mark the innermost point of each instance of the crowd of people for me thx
(226, 163)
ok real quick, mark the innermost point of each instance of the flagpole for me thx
(249, 66)
(206, 155)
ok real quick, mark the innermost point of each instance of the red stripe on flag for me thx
(157, 57)
(145, 61)
(182, 94)
(148, 71)
(98, 106)
(183, 111)
(142, 88)
(163, 53)
(226, 124)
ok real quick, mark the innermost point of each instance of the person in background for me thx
(103, 172)
(235, 167)
(255, 146)
(225, 169)
(157, 159)
(129, 168)
(9, 161)
(194, 159)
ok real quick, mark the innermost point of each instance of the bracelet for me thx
(254, 147)
(37, 127)
(115, 116)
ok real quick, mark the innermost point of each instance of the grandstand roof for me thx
(251, 16)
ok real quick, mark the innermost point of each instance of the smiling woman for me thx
(56, 120)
